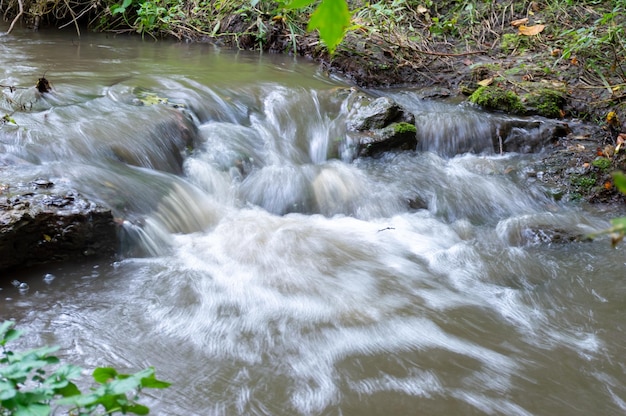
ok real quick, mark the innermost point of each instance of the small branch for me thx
(19, 2)
(447, 54)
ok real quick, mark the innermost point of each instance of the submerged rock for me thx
(39, 225)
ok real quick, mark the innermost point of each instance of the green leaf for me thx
(34, 409)
(151, 382)
(331, 18)
(83, 400)
(138, 409)
(69, 390)
(7, 390)
(104, 374)
(619, 179)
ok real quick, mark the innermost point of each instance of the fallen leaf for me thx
(574, 61)
(519, 22)
(608, 151)
(485, 82)
(531, 30)
(612, 119)
(422, 9)
(556, 52)
(608, 185)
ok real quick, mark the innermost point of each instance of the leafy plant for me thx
(331, 18)
(34, 382)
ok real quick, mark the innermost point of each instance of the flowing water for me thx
(267, 271)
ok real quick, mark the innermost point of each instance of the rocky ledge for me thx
(41, 225)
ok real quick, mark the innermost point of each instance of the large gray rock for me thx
(378, 114)
(381, 125)
(396, 136)
(42, 226)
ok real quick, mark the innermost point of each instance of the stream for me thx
(266, 270)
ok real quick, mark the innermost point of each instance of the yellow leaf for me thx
(485, 82)
(519, 22)
(531, 30)
(47, 237)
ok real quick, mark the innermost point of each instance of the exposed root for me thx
(17, 17)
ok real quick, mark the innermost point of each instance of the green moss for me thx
(404, 128)
(498, 98)
(584, 182)
(514, 42)
(601, 162)
(545, 102)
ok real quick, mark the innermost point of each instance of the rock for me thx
(528, 136)
(497, 98)
(380, 126)
(42, 226)
(402, 136)
(378, 114)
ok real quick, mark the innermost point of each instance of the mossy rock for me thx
(499, 99)
(545, 102)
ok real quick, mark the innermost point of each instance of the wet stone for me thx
(41, 226)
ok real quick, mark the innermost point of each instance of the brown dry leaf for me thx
(531, 30)
(485, 82)
(519, 22)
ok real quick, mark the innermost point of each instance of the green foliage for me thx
(34, 381)
(601, 163)
(603, 42)
(583, 181)
(331, 18)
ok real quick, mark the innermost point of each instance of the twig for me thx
(19, 2)
(447, 54)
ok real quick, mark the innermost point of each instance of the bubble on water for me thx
(16, 283)
(48, 278)
(23, 287)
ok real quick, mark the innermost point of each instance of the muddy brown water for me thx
(274, 274)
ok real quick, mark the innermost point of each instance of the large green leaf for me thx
(152, 382)
(104, 374)
(32, 410)
(331, 19)
(7, 390)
